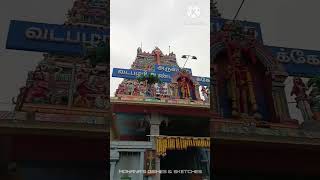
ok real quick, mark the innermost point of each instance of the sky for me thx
(159, 23)
(288, 23)
(14, 65)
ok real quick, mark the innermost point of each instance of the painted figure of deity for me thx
(184, 88)
(205, 93)
(130, 88)
(91, 88)
(161, 89)
(240, 88)
(38, 90)
(83, 92)
(136, 91)
(142, 89)
(121, 89)
(299, 90)
(153, 91)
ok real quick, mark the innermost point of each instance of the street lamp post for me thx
(187, 58)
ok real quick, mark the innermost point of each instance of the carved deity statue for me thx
(184, 88)
(205, 93)
(240, 86)
(38, 90)
(83, 88)
(173, 90)
(136, 90)
(299, 90)
(130, 88)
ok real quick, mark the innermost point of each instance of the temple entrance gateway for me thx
(189, 164)
(183, 149)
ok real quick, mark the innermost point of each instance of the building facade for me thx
(62, 114)
(266, 103)
(154, 127)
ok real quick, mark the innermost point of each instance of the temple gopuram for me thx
(177, 86)
(160, 122)
(61, 115)
(266, 99)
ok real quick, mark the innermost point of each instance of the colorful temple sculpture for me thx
(265, 100)
(161, 116)
(78, 81)
(62, 112)
(174, 85)
(251, 81)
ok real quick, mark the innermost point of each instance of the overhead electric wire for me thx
(236, 15)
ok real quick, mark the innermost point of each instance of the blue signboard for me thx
(31, 36)
(133, 74)
(169, 69)
(164, 77)
(298, 62)
(217, 24)
(204, 81)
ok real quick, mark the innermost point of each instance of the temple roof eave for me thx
(119, 106)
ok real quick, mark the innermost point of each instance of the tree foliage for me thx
(98, 54)
(314, 82)
(151, 79)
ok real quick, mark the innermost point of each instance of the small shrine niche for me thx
(243, 88)
(186, 86)
(248, 82)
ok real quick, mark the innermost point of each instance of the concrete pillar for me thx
(114, 157)
(155, 121)
(141, 164)
(112, 168)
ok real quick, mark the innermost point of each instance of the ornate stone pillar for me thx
(279, 96)
(304, 106)
(196, 90)
(252, 96)
(155, 121)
